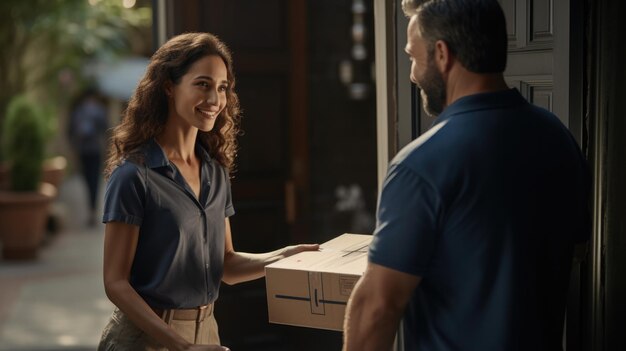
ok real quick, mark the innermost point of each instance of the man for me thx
(87, 134)
(478, 217)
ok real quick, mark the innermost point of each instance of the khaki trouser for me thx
(121, 334)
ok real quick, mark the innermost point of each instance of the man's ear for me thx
(443, 56)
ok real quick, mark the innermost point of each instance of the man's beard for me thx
(433, 90)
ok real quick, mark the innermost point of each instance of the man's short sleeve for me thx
(406, 227)
(125, 195)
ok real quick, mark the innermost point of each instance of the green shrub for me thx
(23, 143)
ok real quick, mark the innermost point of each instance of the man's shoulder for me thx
(422, 146)
(436, 152)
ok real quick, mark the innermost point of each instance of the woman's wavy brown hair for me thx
(145, 116)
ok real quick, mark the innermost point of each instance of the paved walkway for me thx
(57, 302)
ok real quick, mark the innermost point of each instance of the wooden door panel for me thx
(255, 226)
(530, 24)
(529, 63)
(263, 145)
(537, 89)
(540, 94)
(540, 23)
(531, 59)
(255, 25)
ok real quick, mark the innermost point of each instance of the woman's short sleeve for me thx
(125, 195)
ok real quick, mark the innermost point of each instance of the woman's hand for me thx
(242, 266)
(294, 249)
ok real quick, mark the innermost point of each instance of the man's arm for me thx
(376, 307)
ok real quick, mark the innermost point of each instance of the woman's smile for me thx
(207, 113)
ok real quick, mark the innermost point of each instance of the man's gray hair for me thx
(474, 30)
(409, 7)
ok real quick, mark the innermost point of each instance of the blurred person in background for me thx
(87, 132)
(478, 217)
(168, 241)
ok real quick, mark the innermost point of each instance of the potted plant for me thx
(53, 168)
(24, 206)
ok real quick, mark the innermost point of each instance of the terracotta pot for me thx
(4, 177)
(53, 171)
(23, 218)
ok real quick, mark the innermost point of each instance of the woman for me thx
(167, 238)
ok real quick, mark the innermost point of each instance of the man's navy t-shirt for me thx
(485, 207)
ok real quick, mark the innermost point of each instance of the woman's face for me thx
(200, 95)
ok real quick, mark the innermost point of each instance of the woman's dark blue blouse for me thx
(180, 253)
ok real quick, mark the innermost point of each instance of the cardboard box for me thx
(311, 289)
